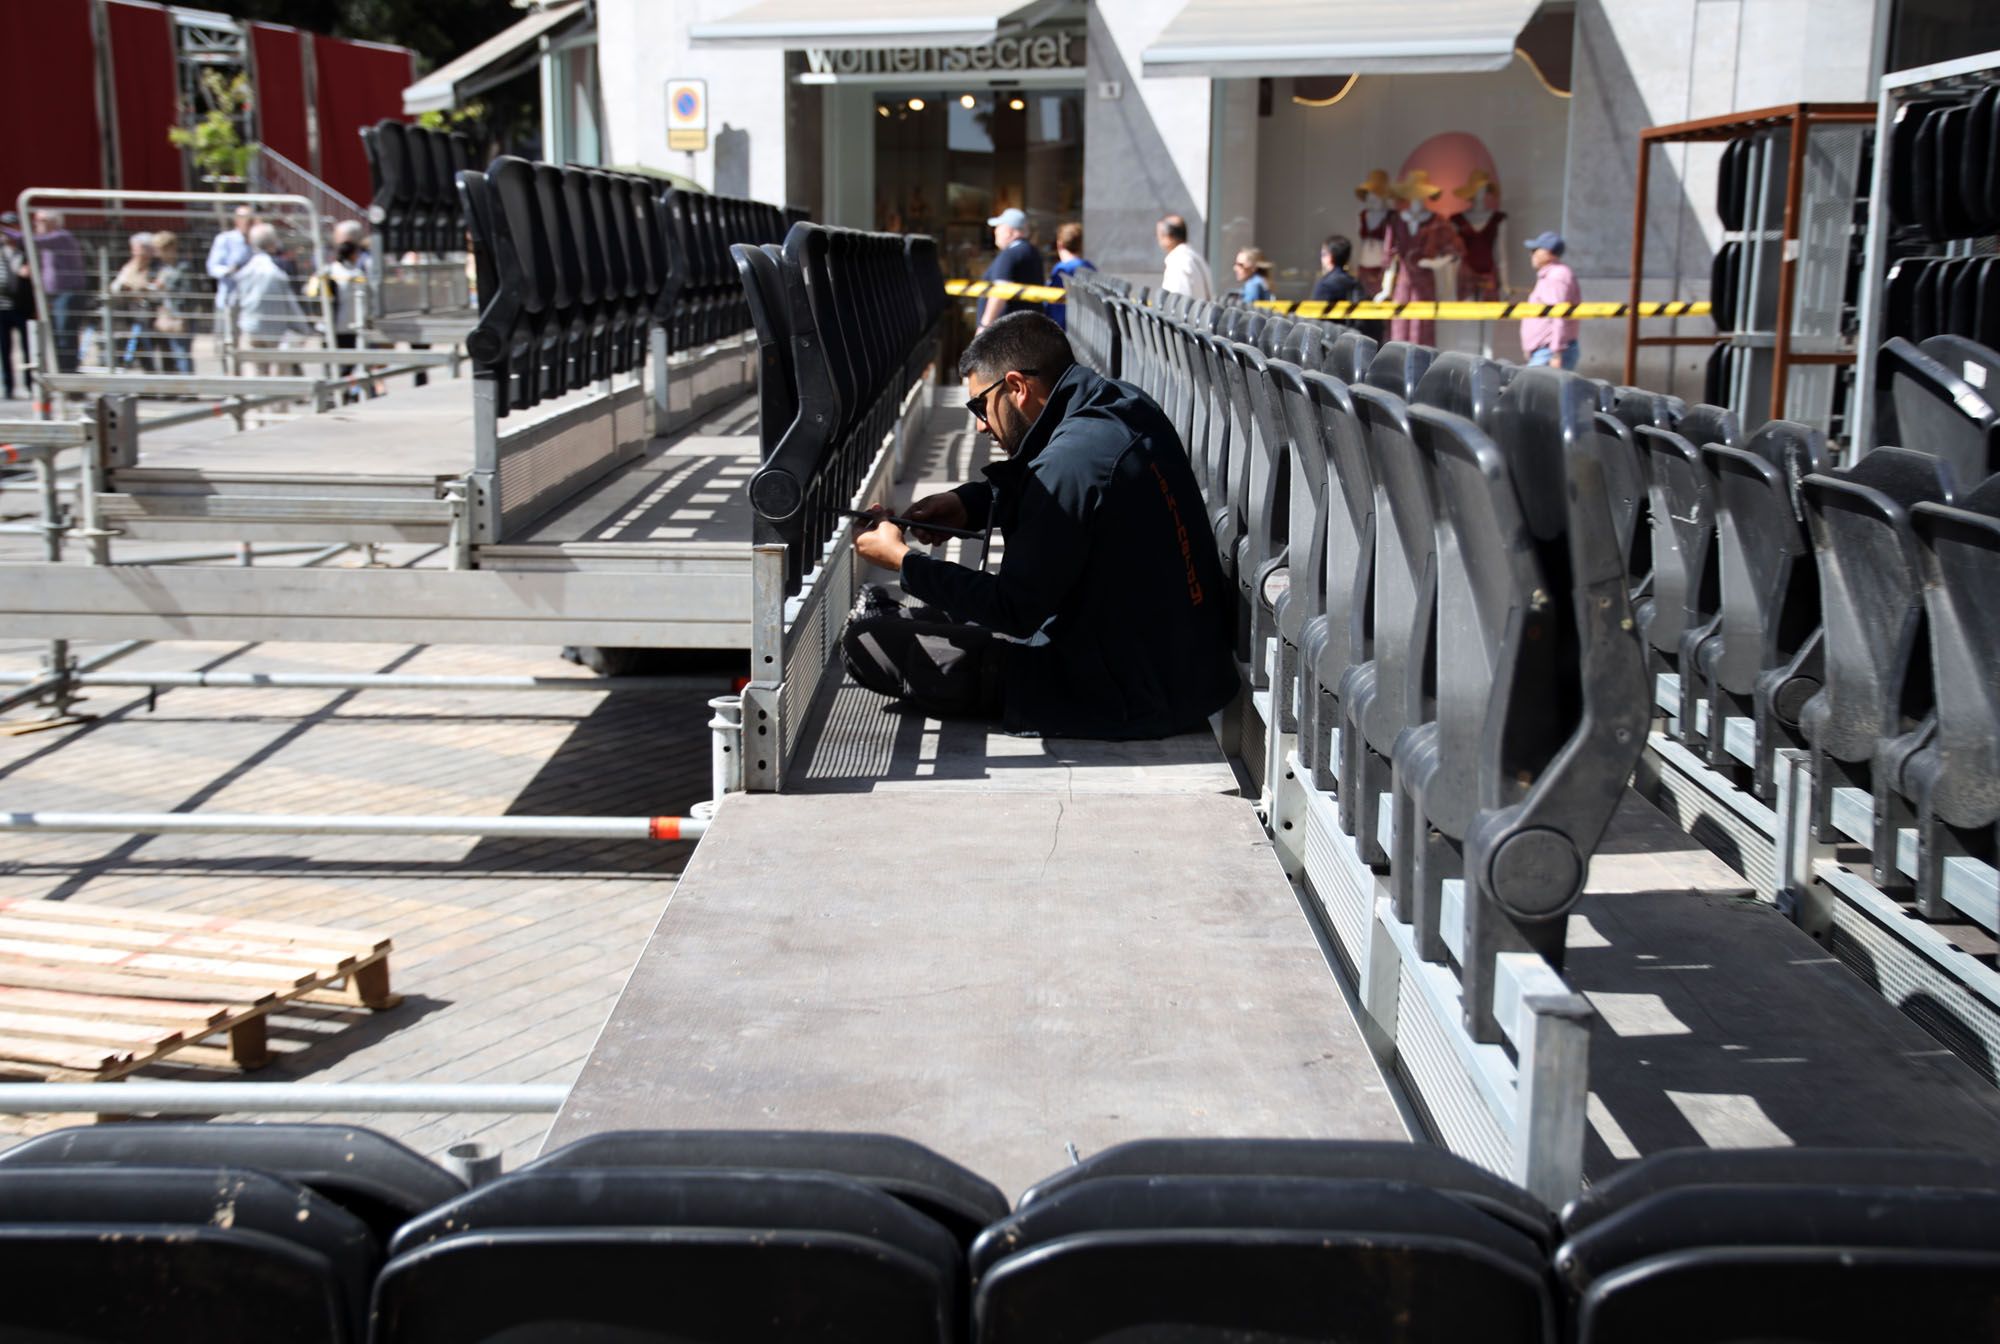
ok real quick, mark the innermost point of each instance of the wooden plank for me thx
(35, 908)
(92, 1031)
(59, 1056)
(121, 1006)
(156, 963)
(104, 935)
(23, 975)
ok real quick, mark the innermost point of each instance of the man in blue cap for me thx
(1551, 340)
(1018, 261)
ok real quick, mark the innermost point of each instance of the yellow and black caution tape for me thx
(1003, 289)
(1480, 312)
(1368, 311)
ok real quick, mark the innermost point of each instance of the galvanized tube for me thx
(38, 684)
(129, 1098)
(247, 823)
(379, 681)
(725, 746)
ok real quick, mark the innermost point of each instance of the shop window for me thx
(947, 160)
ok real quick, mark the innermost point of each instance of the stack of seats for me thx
(576, 265)
(335, 1235)
(1433, 505)
(411, 171)
(1943, 190)
(847, 323)
(703, 302)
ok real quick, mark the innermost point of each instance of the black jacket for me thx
(1110, 572)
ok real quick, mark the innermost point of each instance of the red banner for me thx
(359, 84)
(278, 74)
(48, 71)
(143, 70)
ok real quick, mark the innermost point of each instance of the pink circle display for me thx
(1450, 159)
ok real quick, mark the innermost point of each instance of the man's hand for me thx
(880, 543)
(945, 509)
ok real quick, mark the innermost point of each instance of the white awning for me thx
(1229, 39)
(495, 61)
(868, 23)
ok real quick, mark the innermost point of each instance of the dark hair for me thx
(348, 250)
(1337, 247)
(1024, 341)
(1175, 228)
(1070, 238)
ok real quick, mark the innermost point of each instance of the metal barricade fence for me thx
(109, 303)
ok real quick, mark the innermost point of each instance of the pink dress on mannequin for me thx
(1432, 237)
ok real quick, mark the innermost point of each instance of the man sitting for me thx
(1109, 616)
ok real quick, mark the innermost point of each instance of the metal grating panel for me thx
(543, 463)
(1331, 875)
(1967, 1024)
(1453, 1110)
(1736, 827)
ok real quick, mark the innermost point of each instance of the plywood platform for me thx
(91, 993)
(995, 974)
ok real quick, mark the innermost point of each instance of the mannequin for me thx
(1483, 272)
(1371, 239)
(1422, 243)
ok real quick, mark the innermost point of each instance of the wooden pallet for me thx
(90, 993)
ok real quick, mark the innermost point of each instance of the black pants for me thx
(13, 331)
(913, 653)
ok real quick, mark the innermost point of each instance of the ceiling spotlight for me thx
(916, 104)
(1017, 104)
(882, 109)
(967, 101)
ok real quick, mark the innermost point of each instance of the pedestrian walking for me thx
(170, 315)
(133, 304)
(17, 301)
(267, 309)
(1186, 270)
(1019, 261)
(1253, 275)
(1069, 261)
(63, 277)
(1551, 340)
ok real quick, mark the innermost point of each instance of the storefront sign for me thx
(687, 114)
(1055, 49)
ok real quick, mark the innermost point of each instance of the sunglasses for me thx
(977, 405)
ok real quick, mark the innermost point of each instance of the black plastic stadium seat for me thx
(941, 1190)
(1813, 1247)
(122, 1253)
(373, 1177)
(1760, 657)
(1945, 395)
(1215, 1258)
(670, 1255)
(1955, 779)
(1875, 705)
(1330, 1159)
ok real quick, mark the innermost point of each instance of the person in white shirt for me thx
(267, 309)
(1186, 272)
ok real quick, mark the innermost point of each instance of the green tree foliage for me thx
(438, 31)
(217, 147)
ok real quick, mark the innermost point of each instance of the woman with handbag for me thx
(132, 306)
(169, 323)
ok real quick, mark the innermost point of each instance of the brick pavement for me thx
(510, 952)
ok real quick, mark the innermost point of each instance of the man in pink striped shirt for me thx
(1551, 340)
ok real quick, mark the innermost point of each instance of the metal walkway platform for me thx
(631, 543)
(996, 972)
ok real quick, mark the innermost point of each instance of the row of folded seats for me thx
(1833, 610)
(411, 171)
(326, 1234)
(847, 322)
(575, 266)
(1836, 610)
(1429, 557)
